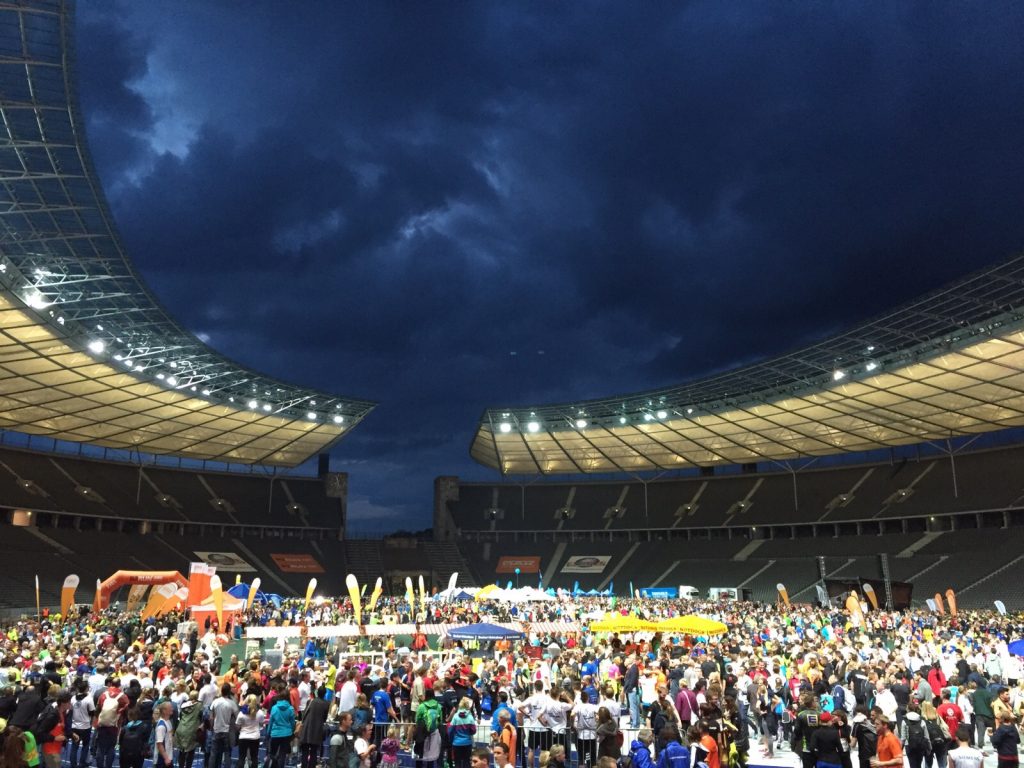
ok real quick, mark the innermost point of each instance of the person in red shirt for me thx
(950, 713)
(937, 679)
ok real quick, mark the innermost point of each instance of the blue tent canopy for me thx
(1016, 648)
(241, 591)
(483, 632)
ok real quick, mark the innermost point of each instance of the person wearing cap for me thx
(826, 749)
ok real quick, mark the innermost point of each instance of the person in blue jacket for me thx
(640, 749)
(280, 729)
(674, 755)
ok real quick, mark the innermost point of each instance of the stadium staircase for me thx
(365, 559)
(447, 559)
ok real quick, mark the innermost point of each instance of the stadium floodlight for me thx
(311, 416)
(206, 392)
(266, 407)
(623, 419)
(662, 414)
(837, 375)
(689, 411)
(533, 426)
(159, 375)
(648, 417)
(504, 427)
(338, 419)
(871, 366)
(581, 423)
(96, 346)
(253, 404)
(172, 381)
(36, 300)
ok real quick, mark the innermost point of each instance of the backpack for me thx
(839, 697)
(45, 722)
(935, 733)
(867, 739)
(108, 712)
(916, 738)
(134, 739)
(430, 719)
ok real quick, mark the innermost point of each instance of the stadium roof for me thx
(86, 352)
(948, 364)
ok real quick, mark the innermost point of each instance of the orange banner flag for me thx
(67, 594)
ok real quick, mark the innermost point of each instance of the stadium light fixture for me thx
(871, 366)
(338, 419)
(648, 417)
(689, 411)
(160, 376)
(96, 346)
(532, 427)
(172, 381)
(36, 300)
(253, 404)
(504, 427)
(311, 416)
(838, 375)
(581, 423)
(662, 414)
(266, 407)
(623, 419)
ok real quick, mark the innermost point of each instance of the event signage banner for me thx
(509, 563)
(297, 564)
(586, 564)
(225, 561)
(661, 593)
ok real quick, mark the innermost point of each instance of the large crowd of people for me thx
(798, 681)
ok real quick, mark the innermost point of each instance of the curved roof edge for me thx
(64, 271)
(848, 392)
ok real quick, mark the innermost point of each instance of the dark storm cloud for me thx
(448, 206)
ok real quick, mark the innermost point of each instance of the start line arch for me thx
(127, 578)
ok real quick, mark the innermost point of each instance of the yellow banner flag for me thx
(253, 589)
(310, 589)
(423, 596)
(378, 588)
(353, 592)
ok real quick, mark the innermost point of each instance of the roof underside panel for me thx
(946, 365)
(88, 354)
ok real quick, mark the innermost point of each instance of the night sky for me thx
(445, 206)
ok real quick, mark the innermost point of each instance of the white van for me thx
(689, 593)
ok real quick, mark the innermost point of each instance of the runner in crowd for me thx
(898, 686)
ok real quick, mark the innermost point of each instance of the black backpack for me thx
(134, 739)
(916, 738)
(935, 733)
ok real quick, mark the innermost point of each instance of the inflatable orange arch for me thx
(123, 578)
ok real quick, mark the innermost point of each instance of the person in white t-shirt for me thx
(82, 709)
(533, 714)
(965, 756)
(347, 694)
